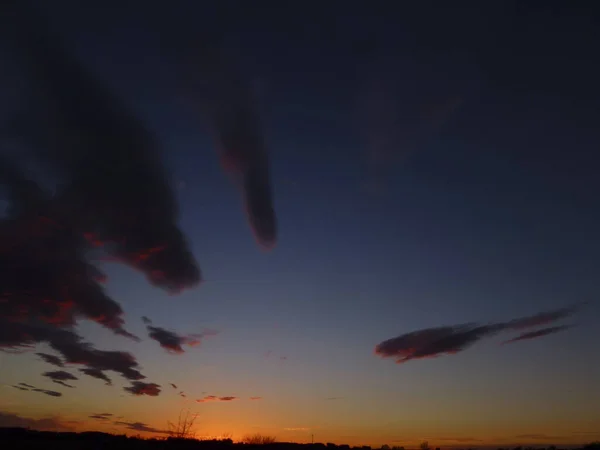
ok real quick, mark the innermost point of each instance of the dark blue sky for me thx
(432, 165)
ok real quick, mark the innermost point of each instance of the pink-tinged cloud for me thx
(214, 398)
(49, 284)
(537, 333)
(242, 146)
(434, 342)
(139, 388)
(255, 398)
(173, 342)
(543, 318)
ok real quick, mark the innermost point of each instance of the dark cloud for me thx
(113, 193)
(537, 333)
(174, 386)
(146, 320)
(28, 387)
(10, 420)
(397, 122)
(51, 359)
(60, 375)
(101, 416)
(173, 342)
(139, 426)
(46, 276)
(454, 439)
(21, 388)
(96, 373)
(140, 388)
(71, 347)
(540, 437)
(182, 394)
(214, 398)
(229, 105)
(434, 342)
(135, 214)
(47, 281)
(48, 392)
(46, 285)
(543, 318)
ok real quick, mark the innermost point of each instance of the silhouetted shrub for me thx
(258, 439)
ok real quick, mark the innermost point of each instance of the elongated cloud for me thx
(71, 347)
(60, 376)
(140, 388)
(227, 102)
(139, 426)
(101, 416)
(96, 373)
(21, 388)
(537, 333)
(173, 342)
(255, 398)
(48, 392)
(214, 398)
(541, 319)
(51, 359)
(539, 437)
(10, 420)
(434, 342)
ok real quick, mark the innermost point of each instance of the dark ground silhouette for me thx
(26, 438)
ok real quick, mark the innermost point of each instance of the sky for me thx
(432, 273)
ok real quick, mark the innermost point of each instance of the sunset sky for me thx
(434, 170)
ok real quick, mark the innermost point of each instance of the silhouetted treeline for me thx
(22, 438)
